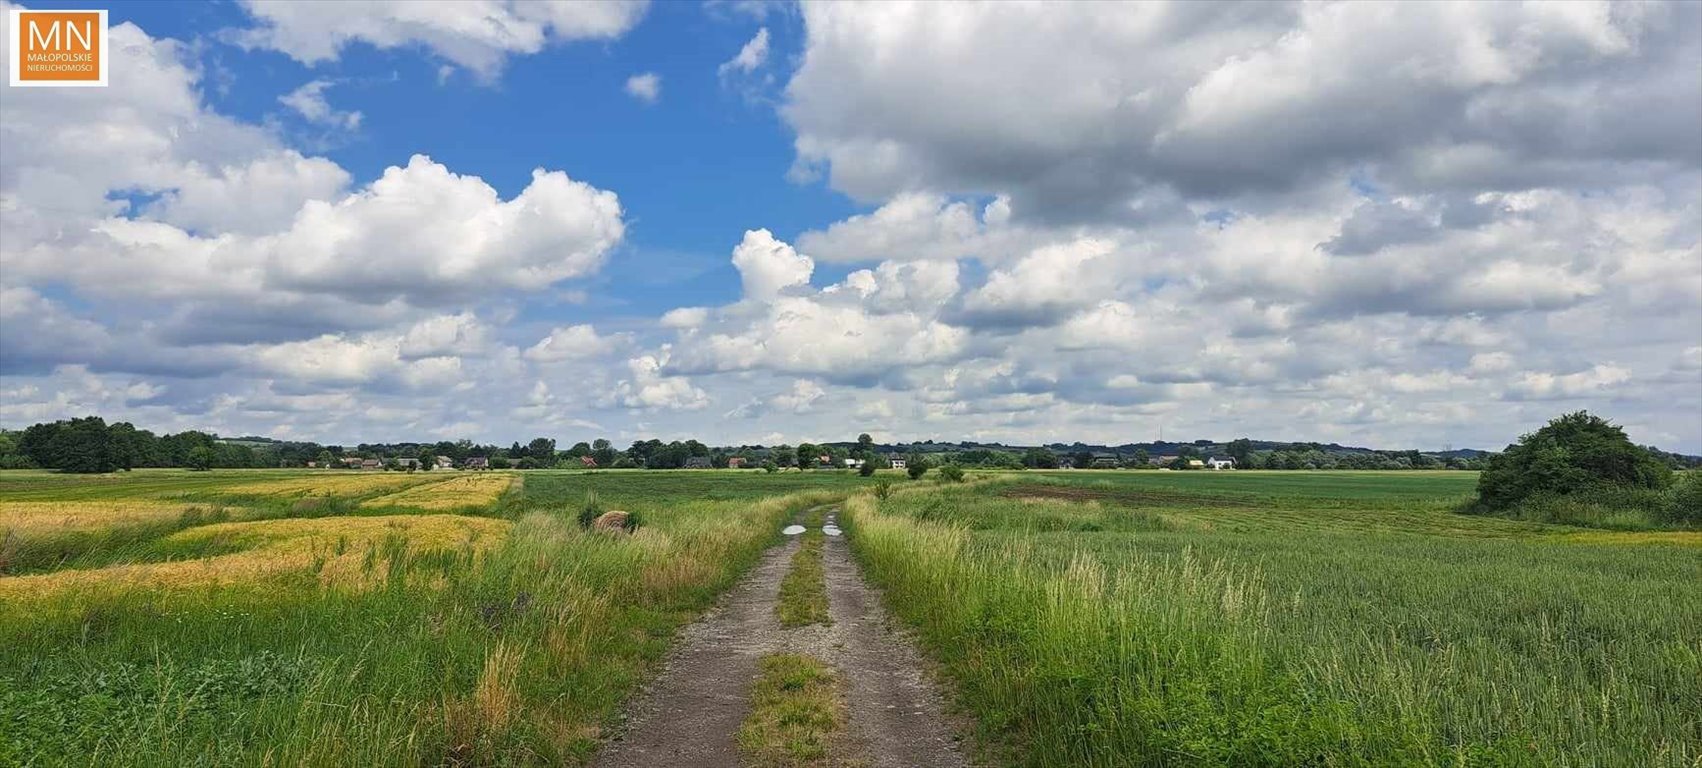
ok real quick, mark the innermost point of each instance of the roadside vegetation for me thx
(1295, 619)
(307, 628)
(797, 709)
(803, 592)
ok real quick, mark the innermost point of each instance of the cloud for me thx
(1239, 102)
(570, 343)
(646, 87)
(309, 102)
(648, 388)
(753, 55)
(476, 36)
(768, 267)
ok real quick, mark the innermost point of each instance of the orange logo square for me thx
(58, 48)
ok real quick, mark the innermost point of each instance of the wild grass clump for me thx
(803, 591)
(796, 711)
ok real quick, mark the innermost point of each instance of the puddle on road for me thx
(792, 530)
(831, 530)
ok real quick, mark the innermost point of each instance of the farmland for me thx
(1305, 618)
(165, 617)
(162, 617)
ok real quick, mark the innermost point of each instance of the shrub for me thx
(588, 513)
(917, 467)
(1684, 501)
(867, 469)
(769, 467)
(951, 473)
(883, 490)
(1577, 453)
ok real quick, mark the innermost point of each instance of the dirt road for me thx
(688, 717)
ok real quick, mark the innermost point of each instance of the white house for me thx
(1220, 462)
(897, 463)
(853, 463)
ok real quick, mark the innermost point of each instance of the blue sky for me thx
(1394, 225)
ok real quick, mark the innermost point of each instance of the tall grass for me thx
(1187, 643)
(513, 655)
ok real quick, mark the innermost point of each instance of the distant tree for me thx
(916, 466)
(200, 458)
(1140, 457)
(867, 469)
(579, 449)
(81, 445)
(501, 462)
(865, 447)
(809, 455)
(603, 452)
(1574, 453)
(543, 449)
(1039, 458)
(1180, 462)
(1241, 450)
(769, 467)
(951, 473)
(1082, 459)
(784, 456)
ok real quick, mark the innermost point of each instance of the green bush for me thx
(867, 469)
(1577, 454)
(951, 473)
(917, 467)
(1684, 501)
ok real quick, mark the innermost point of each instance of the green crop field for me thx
(178, 618)
(1248, 618)
(165, 617)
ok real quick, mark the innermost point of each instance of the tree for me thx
(809, 455)
(769, 467)
(1083, 459)
(951, 473)
(916, 466)
(865, 447)
(81, 445)
(1039, 458)
(1241, 450)
(867, 469)
(200, 458)
(1575, 453)
(543, 449)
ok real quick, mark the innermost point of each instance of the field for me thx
(1081, 618)
(1110, 619)
(339, 618)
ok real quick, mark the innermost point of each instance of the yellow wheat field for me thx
(28, 519)
(462, 491)
(328, 484)
(339, 549)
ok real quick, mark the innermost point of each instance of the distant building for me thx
(371, 464)
(587, 462)
(476, 462)
(896, 463)
(444, 462)
(1106, 462)
(1220, 462)
(697, 462)
(1196, 464)
(405, 463)
(1160, 461)
(735, 462)
(853, 463)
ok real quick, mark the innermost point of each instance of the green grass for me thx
(803, 591)
(516, 656)
(796, 711)
(1117, 619)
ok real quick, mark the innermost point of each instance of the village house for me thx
(476, 462)
(406, 463)
(697, 462)
(1196, 464)
(735, 462)
(853, 463)
(896, 463)
(444, 462)
(371, 464)
(587, 462)
(1106, 461)
(1220, 462)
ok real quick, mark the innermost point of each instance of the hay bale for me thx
(612, 520)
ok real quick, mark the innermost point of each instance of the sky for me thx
(1408, 225)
